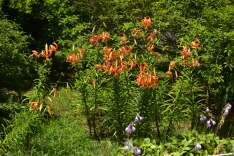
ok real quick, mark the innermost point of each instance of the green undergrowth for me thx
(63, 133)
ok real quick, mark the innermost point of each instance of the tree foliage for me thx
(14, 63)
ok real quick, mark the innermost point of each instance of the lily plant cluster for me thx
(188, 57)
(47, 52)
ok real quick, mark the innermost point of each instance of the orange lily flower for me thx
(81, 52)
(186, 62)
(152, 35)
(98, 66)
(172, 64)
(132, 64)
(110, 54)
(195, 63)
(125, 49)
(34, 105)
(159, 56)
(71, 57)
(53, 47)
(35, 53)
(146, 21)
(137, 32)
(185, 52)
(105, 35)
(46, 53)
(194, 44)
(150, 48)
(169, 73)
(123, 39)
(150, 38)
(147, 80)
(95, 38)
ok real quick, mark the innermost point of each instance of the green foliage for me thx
(64, 133)
(184, 145)
(15, 65)
(201, 79)
(17, 131)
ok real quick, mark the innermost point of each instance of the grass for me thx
(64, 133)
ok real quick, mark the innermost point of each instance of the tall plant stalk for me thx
(117, 106)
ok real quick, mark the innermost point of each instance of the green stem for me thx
(118, 107)
(87, 113)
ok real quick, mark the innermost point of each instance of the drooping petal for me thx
(208, 124)
(229, 106)
(207, 110)
(138, 118)
(130, 128)
(202, 118)
(126, 149)
(136, 151)
(226, 112)
(213, 122)
(197, 147)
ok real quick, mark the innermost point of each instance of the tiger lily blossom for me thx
(168, 73)
(152, 35)
(123, 39)
(195, 44)
(146, 21)
(105, 35)
(35, 104)
(172, 64)
(150, 48)
(35, 53)
(125, 49)
(72, 57)
(137, 32)
(47, 52)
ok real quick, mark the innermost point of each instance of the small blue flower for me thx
(128, 143)
(226, 112)
(210, 122)
(126, 149)
(202, 118)
(197, 147)
(136, 151)
(138, 118)
(207, 110)
(130, 128)
(229, 106)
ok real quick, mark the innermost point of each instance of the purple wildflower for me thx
(210, 122)
(229, 106)
(136, 151)
(197, 147)
(138, 118)
(126, 149)
(130, 128)
(226, 112)
(129, 144)
(202, 118)
(207, 110)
